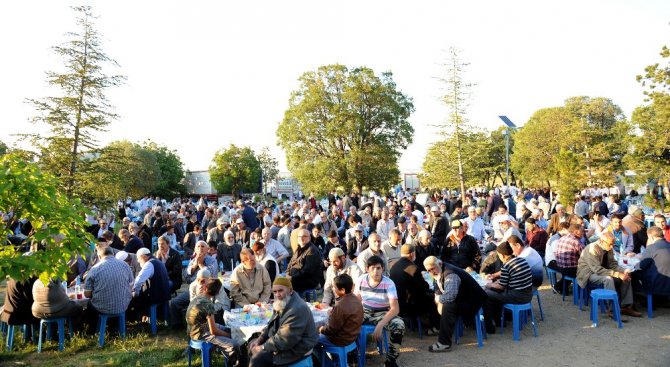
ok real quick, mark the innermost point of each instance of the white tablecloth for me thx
(243, 325)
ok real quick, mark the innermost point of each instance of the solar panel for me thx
(507, 121)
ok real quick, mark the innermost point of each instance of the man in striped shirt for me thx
(515, 285)
(380, 306)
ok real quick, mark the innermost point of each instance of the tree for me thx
(650, 153)
(439, 169)
(346, 128)
(81, 108)
(456, 99)
(268, 167)
(235, 170)
(170, 171)
(3, 148)
(57, 221)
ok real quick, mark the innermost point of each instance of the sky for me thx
(202, 75)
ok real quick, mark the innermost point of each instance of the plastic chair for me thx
(102, 320)
(153, 317)
(650, 311)
(205, 350)
(517, 312)
(602, 295)
(479, 328)
(575, 289)
(305, 362)
(309, 295)
(340, 352)
(10, 335)
(61, 332)
(551, 275)
(362, 341)
(409, 321)
(536, 293)
(585, 294)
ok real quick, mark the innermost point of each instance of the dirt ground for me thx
(565, 338)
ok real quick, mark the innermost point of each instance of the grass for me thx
(139, 349)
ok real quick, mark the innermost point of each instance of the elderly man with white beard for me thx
(290, 334)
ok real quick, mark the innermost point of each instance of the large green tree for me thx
(80, 108)
(235, 170)
(439, 166)
(169, 170)
(58, 222)
(346, 128)
(650, 155)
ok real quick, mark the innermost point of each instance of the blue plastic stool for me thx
(536, 293)
(650, 312)
(362, 341)
(340, 352)
(585, 295)
(602, 295)
(305, 362)
(61, 332)
(479, 327)
(102, 320)
(309, 295)
(575, 289)
(153, 317)
(418, 325)
(10, 335)
(551, 275)
(205, 350)
(517, 312)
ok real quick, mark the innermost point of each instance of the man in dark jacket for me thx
(414, 296)
(172, 260)
(423, 248)
(304, 269)
(248, 215)
(457, 294)
(132, 243)
(461, 249)
(290, 334)
(439, 227)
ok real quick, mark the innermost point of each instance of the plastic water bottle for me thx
(221, 267)
(77, 288)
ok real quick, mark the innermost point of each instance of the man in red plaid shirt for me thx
(567, 252)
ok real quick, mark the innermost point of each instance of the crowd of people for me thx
(378, 260)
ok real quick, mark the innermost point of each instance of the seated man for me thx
(52, 302)
(304, 269)
(461, 249)
(508, 230)
(623, 238)
(536, 237)
(567, 252)
(339, 264)
(250, 282)
(229, 251)
(179, 304)
(290, 334)
(374, 249)
(391, 247)
(380, 307)
(346, 318)
(597, 266)
(655, 264)
(660, 222)
(266, 260)
(202, 326)
(532, 257)
(152, 285)
(131, 260)
(414, 295)
(515, 286)
(273, 247)
(200, 260)
(457, 294)
(172, 261)
(424, 248)
(18, 302)
(108, 285)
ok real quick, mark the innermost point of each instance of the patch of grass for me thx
(139, 349)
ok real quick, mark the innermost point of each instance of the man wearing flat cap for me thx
(290, 334)
(461, 249)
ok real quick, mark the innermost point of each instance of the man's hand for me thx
(255, 349)
(378, 332)
(437, 299)
(630, 254)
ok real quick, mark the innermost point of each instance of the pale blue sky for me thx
(204, 74)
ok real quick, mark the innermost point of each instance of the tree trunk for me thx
(80, 107)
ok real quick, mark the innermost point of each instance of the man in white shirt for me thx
(475, 225)
(391, 247)
(273, 247)
(384, 225)
(498, 217)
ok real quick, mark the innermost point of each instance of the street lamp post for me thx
(509, 125)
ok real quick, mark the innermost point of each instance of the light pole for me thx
(509, 124)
